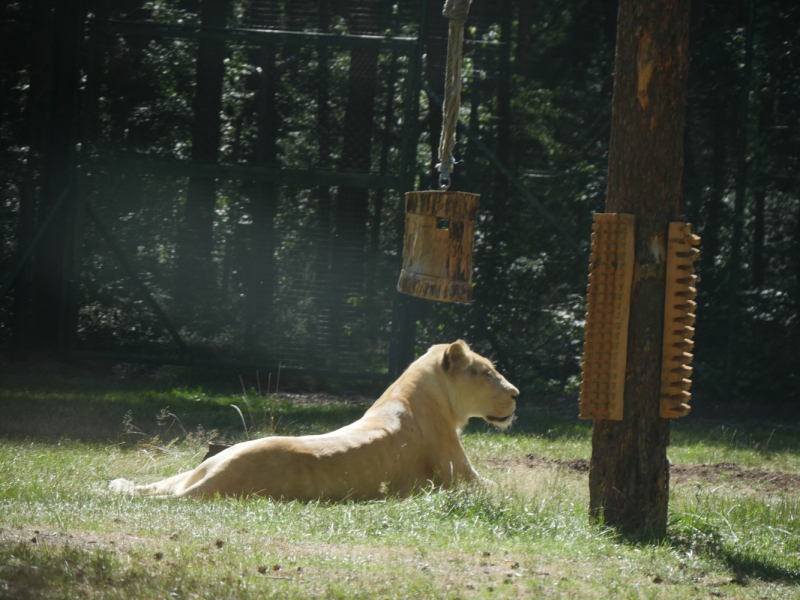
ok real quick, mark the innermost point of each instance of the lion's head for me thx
(478, 390)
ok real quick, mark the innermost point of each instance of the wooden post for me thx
(629, 477)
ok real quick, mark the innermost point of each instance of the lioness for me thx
(408, 438)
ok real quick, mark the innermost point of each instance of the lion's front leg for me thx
(454, 471)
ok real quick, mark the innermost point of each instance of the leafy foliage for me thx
(311, 284)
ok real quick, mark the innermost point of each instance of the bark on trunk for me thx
(629, 478)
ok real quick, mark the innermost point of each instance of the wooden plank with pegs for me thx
(608, 301)
(679, 316)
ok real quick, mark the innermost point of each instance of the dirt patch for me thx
(714, 473)
(466, 574)
(721, 472)
(578, 465)
(44, 538)
(325, 399)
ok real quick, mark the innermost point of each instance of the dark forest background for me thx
(150, 252)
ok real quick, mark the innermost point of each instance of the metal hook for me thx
(445, 168)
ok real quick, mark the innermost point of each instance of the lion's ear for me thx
(456, 356)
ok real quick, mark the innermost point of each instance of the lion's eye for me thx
(488, 374)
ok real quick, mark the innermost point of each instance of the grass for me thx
(63, 536)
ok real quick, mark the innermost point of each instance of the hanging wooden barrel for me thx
(437, 251)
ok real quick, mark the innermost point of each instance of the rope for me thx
(456, 11)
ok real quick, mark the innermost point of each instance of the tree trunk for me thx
(629, 477)
(523, 58)
(759, 261)
(5, 33)
(797, 264)
(352, 204)
(235, 208)
(500, 203)
(263, 208)
(475, 94)
(377, 213)
(738, 210)
(21, 323)
(53, 266)
(195, 277)
(504, 93)
(323, 222)
(711, 212)
(711, 217)
(40, 53)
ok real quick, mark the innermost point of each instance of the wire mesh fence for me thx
(223, 179)
(283, 266)
(242, 165)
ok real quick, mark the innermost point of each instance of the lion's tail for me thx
(122, 486)
(166, 487)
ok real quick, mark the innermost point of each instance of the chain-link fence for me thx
(239, 176)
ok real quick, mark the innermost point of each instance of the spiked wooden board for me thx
(607, 310)
(679, 309)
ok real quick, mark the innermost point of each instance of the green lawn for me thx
(734, 530)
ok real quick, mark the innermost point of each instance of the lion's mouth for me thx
(500, 420)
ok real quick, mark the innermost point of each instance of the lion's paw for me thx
(122, 486)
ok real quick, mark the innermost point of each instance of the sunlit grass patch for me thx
(756, 533)
(528, 532)
(748, 446)
(525, 533)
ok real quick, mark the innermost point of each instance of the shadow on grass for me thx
(96, 411)
(28, 571)
(761, 439)
(81, 406)
(755, 568)
(556, 419)
(93, 408)
(743, 563)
